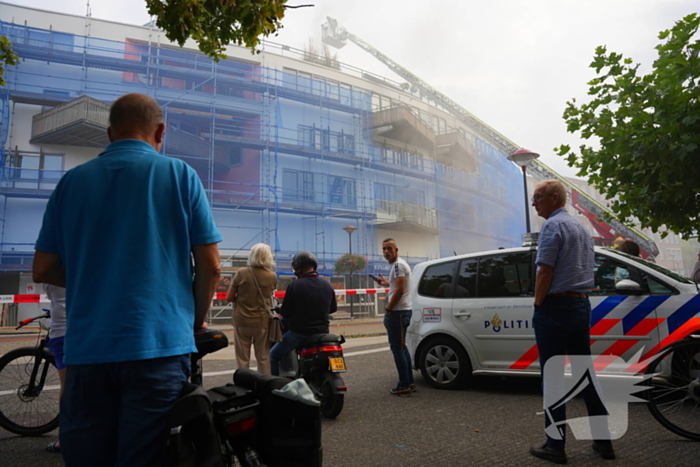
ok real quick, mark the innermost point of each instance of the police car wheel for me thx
(445, 364)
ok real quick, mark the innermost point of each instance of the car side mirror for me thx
(628, 287)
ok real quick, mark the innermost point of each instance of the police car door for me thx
(493, 307)
(621, 324)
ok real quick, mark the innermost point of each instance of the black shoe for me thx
(412, 387)
(401, 391)
(605, 450)
(558, 456)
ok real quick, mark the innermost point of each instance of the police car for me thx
(472, 314)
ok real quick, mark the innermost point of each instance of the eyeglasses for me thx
(537, 197)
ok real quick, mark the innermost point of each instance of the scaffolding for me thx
(286, 158)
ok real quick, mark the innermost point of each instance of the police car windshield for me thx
(654, 266)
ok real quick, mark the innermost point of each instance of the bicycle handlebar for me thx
(24, 322)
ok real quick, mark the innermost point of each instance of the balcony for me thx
(400, 124)
(393, 215)
(81, 122)
(454, 150)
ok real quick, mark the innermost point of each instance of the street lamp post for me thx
(523, 157)
(350, 229)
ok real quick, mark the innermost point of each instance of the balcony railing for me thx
(80, 122)
(397, 212)
(23, 180)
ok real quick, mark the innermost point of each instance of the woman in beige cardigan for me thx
(251, 314)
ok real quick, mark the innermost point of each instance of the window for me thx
(342, 191)
(235, 157)
(607, 272)
(314, 138)
(656, 287)
(345, 94)
(604, 275)
(346, 143)
(466, 282)
(505, 275)
(38, 170)
(386, 192)
(438, 281)
(297, 186)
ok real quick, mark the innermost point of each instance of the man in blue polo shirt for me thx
(131, 236)
(562, 317)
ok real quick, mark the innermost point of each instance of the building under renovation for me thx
(291, 147)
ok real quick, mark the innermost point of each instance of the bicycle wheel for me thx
(674, 394)
(26, 407)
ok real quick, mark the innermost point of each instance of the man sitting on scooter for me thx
(308, 302)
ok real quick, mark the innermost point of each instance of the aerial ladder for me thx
(337, 36)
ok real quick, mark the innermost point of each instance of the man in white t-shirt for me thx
(398, 315)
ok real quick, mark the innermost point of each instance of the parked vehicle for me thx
(319, 360)
(241, 423)
(472, 314)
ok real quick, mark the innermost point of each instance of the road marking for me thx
(363, 352)
(14, 391)
(349, 354)
(227, 372)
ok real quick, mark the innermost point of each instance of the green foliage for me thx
(323, 57)
(214, 24)
(7, 57)
(646, 132)
(350, 263)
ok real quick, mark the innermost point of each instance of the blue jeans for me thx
(396, 324)
(290, 341)
(113, 414)
(562, 327)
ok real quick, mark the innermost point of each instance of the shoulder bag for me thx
(274, 330)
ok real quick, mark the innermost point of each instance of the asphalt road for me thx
(491, 423)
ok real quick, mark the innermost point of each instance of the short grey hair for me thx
(555, 186)
(261, 256)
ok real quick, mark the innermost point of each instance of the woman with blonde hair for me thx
(251, 295)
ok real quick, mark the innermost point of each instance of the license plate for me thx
(337, 363)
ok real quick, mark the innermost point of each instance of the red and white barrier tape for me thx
(42, 298)
(26, 298)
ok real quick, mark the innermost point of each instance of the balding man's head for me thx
(135, 116)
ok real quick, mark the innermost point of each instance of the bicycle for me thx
(674, 381)
(29, 386)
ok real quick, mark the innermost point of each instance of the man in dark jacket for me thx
(308, 302)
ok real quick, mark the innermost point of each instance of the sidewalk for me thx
(342, 326)
(353, 342)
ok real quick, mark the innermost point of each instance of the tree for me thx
(323, 57)
(347, 264)
(214, 24)
(648, 132)
(7, 57)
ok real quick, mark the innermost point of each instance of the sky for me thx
(513, 64)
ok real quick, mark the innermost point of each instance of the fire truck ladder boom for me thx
(337, 36)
